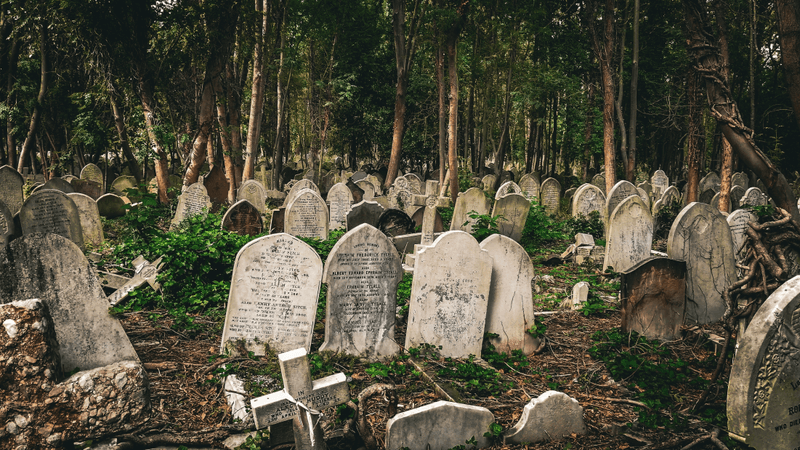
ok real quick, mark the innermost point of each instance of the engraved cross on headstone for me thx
(300, 400)
(431, 188)
(145, 272)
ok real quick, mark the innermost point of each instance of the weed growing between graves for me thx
(404, 294)
(447, 216)
(395, 370)
(664, 218)
(593, 224)
(540, 229)
(323, 248)
(485, 225)
(473, 379)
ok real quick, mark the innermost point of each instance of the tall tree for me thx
(788, 12)
(37, 108)
(452, 67)
(257, 91)
(603, 45)
(630, 169)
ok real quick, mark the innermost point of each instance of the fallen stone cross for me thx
(300, 400)
(146, 272)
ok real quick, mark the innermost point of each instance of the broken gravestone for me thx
(653, 297)
(473, 199)
(438, 426)
(549, 417)
(630, 234)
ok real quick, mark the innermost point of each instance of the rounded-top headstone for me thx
(622, 190)
(394, 222)
(307, 216)
(90, 218)
(550, 195)
(509, 187)
(243, 218)
(296, 188)
(473, 199)
(121, 184)
(529, 183)
(630, 235)
(253, 191)
(111, 206)
(754, 197)
(710, 181)
(91, 172)
(660, 183)
(740, 179)
(51, 211)
(599, 181)
(588, 198)
(364, 212)
(59, 185)
(11, 183)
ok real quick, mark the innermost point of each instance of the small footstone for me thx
(549, 417)
(438, 426)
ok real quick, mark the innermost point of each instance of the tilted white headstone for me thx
(340, 200)
(514, 210)
(193, 201)
(549, 417)
(630, 235)
(438, 426)
(253, 191)
(307, 216)
(90, 218)
(473, 199)
(588, 198)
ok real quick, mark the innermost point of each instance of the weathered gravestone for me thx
(91, 172)
(253, 192)
(11, 183)
(644, 196)
(740, 179)
(401, 196)
(754, 197)
(193, 201)
(509, 187)
(51, 211)
(710, 182)
(121, 184)
(419, 219)
(512, 213)
(414, 183)
(394, 222)
(529, 183)
(738, 221)
(449, 295)
(59, 185)
(715, 202)
(273, 297)
(217, 186)
(340, 200)
(296, 188)
(764, 386)
(488, 182)
(549, 417)
(510, 309)
(622, 190)
(599, 181)
(551, 195)
(701, 237)
(579, 297)
(146, 272)
(300, 400)
(630, 235)
(471, 200)
(90, 188)
(660, 182)
(307, 216)
(362, 272)
(364, 212)
(53, 269)
(648, 189)
(706, 196)
(376, 183)
(670, 196)
(368, 188)
(653, 297)
(243, 218)
(588, 198)
(7, 227)
(737, 192)
(111, 205)
(438, 426)
(90, 218)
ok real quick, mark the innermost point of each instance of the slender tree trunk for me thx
(501, 148)
(554, 135)
(726, 169)
(753, 19)
(588, 127)
(11, 142)
(452, 66)
(788, 12)
(37, 109)
(630, 170)
(604, 55)
(257, 97)
(623, 134)
(122, 133)
(225, 138)
(440, 84)
(695, 136)
(281, 91)
(148, 107)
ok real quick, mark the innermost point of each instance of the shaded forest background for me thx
(170, 86)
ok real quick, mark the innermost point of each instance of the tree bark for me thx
(588, 127)
(11, 142)
(705, 54)
(726, 167)
(37, 108)
(452, 66)
(604, 55)
(281, 91)
(122, 133)
(695, 136)
(257, 96)
(501, 148)
(440, 84)
(630, 170)
(788, 12)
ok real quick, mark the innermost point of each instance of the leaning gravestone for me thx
(59, 185)
(660, 182)
(53, 269)
(111, 205)
(763, 399)
(368, 188)
(588, 198)
(90, 218)
(701, 237)
(307, 216)
(710, 181)
(471, 200)
(529, 183)
(7, 228)
(273, 297)
(510, 310)
(737, 192)
(647, 188)
(449, 295)
(754, 197)
(51, 211)
(738, 221)
(630, 235)
(653, 298)
(253, 192)
(364, 212)
(438, 426)
(91, 172)
(549, 417)
(193, 201)
(362, 272)
(514, 210)
(121, 184)
(740, 179)
(243, 218)
(670, 196)
(622, 190)
(599, 181)
(90, 188)
(488, 182)
(509, 187)
(11, 183)
(340, 199)
(551, 195)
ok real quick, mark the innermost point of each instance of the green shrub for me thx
(593, 224)
(664, 218)
(540, 229)
(484, 226)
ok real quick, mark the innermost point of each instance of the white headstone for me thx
(754, 197)
(193, 201)
(368, 188)
(296, 188)
(622, 190)
(550, 417)
(121, 184)
(506, 188)
(588, 198)
(307, 216)
(580, 295)
(473, 199)
(488, 182)
(740, 179)
(90, 218)
(340, 199)
(630, 235)
(438, 426)
(514, 210)
(660, 182)
(551, 195)
(253, 191)
(529, 183)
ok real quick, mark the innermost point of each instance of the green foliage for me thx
(255, 442)
(664, 218)
(540, 229)
(323, 248)
(484, 226)
(595, 306)
(593, 224)
(404, 293)
(495, 433)
(538, 329)
(762, 211)
(477, 380)
(515, 361)
(395, 370)
(447, 216)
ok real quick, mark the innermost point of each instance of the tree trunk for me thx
(702, 48)
(623, 134)
(788, 12)
(225, 138)
(604, 55)
(501, 148)
(37, 108)
(588, 127)
(281, 90)
(752, 65)
(695, 137)
(12, 72)
(440, 84)
(257, 97)
(122, 133)
(148, 107)
(630, 169)
(452, 129)
(726, 167)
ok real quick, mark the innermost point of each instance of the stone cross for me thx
(146, 272)
(431, 188)
(300, 400)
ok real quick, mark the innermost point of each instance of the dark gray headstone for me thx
(653, 296)
(243, 218)
(51, 211)
(111, 205)
(11, 183)
(364, 212)
(394, 222)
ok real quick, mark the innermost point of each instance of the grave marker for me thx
(59, 185)
(146, 272)
(89, 215)
(622, 190)
(307, 216)
(630, 235)
(551, 195)
(599, 181)
(368, 188)
(738, 221)
(7, 228)
(549, 417)
(488, 182)
(471, 200)
(121, 184)
(653, 297)
(111, 205)
(51, 211)
(364, 212)
(588, 198)
(438, 426)
(660, 182)
(11, 183)
(529, 183)
(754, 197)
(193, 201)
(740, 179)
(243, 218)
(340, 199)
(253, 192)
(514, 210)
(509, 187)
(91, 172)
(296, 188)
(710, 182)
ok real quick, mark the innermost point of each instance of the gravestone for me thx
(273, 298)
(551, 195)
(740, 179)
(88, 187)
(488, 182)
(296, 188)
(358, 176)
(653, 298)
(438, 426)
(121, 184)
(91, 172)
(630, 235)
(622, 190)
(300, 400)
(364, 212)
(706, 196)
(529, 183)
(449, 295)
(710, 181)
(53, 269)
(754, 197)
(738, 221)
(644, 196)
(253, 192)
(763, 401)
(11, 183)
(307, 216)
(588, 198)
(394, 222)
(510, 309)
(362, 272)
(376, 183)
(7, 228)
(146, 272)
(217, 187)
(243, 218)
(715, 202)
(509, 187)
(111, 205)
(429, 221)
(660, 182)
(551, 416)
(599, 181)
(193, 201)
(473, 199)
(648, 189)
(91, 225)
(339, 199)
(514, 210)
(701, 237)
(415, 183)
(579, 297)
(438, 224)
(737, 192)
(51, 211)
(368, 188)
(59, 185)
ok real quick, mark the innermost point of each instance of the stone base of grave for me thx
(46, 413)
(587, 253)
